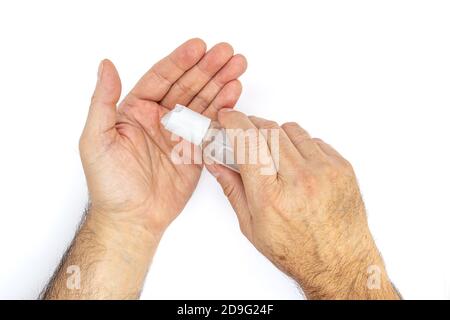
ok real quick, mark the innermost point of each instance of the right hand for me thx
(307, 217)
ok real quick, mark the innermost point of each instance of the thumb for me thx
(250, 149)
(233, 189)
(102, 112)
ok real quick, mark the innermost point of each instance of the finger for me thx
(234, 68)
(226, 98)
(302, 141)
(102, 112)
(267, 127)
(286, 157)
(250, 149)
(327, 149)
(233, 188)
(157, 81)
(190, 84)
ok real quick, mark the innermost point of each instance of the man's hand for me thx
(308, 218)
(126, 152)
(135, 189)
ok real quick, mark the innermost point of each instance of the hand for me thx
(308, 218)
(126, 152)
(135, 189)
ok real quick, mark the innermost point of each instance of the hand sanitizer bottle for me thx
(201, 131)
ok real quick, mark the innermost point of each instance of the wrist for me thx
(121, 231)
(363, 279)
(112, 260)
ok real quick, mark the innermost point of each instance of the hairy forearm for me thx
(365, 279)
(106, 260)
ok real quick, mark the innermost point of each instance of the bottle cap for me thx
(188, 124)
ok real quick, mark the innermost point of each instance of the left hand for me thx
(126, 152)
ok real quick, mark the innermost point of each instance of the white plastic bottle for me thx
(201, 131)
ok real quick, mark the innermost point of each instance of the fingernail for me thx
(226, 110)
(100, 70)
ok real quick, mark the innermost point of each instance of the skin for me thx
(308, 217)
(135, 190)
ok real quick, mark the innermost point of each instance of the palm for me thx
(138, 169)
(145, 148)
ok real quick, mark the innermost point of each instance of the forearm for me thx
(365, 279)
(107, 260)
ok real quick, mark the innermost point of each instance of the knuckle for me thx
(82, 142)
(253, 119)
(336, 171)
(243, 227)
(201, 101)
(295, 130)
(269, 124)
(228, 190)
(185, 89)
(298, 138)
(347, 166)
(263, 123)
(290, 125)
(160, 78)
(331, 171)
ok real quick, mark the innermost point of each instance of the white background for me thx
(370, 77)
